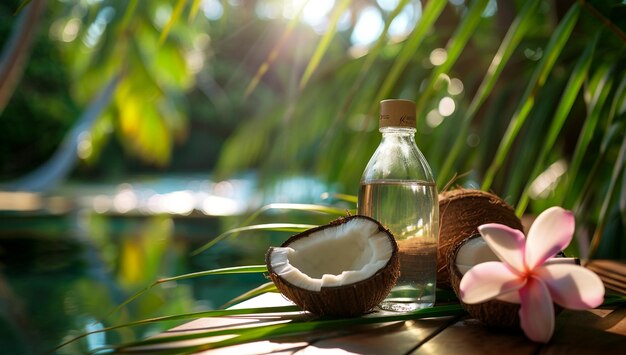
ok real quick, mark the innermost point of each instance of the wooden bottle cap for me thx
(397, 113)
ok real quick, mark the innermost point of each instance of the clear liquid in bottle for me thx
(408, 209)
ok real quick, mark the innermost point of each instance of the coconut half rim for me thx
(344, 268)
(339, 255)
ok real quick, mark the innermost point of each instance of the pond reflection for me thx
(63, 282)
(63, 271)
(224, 198)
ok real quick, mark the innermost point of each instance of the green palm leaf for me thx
(454, 48)
(270, 332)
(128, 14)
(249, 269)
(178, 10)
(372, 55)
(322, 47)
(22, 5)
(195, 7)
(185, 316)
(429, 16)
(266, 287)
(295, 207)
(273, 54)
(600, 89)
(281, 227)
(568, 97)
(346, 197)
(511, 40)
(609, 197)
(538, 79)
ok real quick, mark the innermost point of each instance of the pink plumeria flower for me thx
(525, 278)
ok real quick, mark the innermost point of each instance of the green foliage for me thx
(509, 44)
(270, 332)
(294, 101)
(514, 125)
(572, 89)
(535, 84)
(302, 102)
(41, 109)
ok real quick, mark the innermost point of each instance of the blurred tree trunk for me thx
(17, 49)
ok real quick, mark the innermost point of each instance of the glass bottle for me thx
(398, 189)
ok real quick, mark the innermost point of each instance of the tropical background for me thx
(134, 132)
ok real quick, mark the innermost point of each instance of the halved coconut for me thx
(344, 268)
(496, 313)
(469, 252)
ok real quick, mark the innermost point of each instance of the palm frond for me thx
(178, 10)
(429, 16)
(280, 227)
(609, 197)
(273, 54)
(22, 5)
(564, 107)
(248, 269)
(513, 37)
(322, 47)
(195, 7)
(266, 287)
(185, 316)
(538, 79)
(599, 92)
(454, 48)
(270, 332)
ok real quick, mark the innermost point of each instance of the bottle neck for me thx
(397, 131)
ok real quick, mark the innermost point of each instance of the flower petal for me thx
(551, 232)
(537, 311)
(507, 243)
(572, 286)
(511, 297)
(488, 280)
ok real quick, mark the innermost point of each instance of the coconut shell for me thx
(347, 300)
(493, 313)
(461, 212)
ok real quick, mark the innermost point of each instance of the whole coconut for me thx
(461, 212)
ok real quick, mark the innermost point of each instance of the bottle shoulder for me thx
(395, 161)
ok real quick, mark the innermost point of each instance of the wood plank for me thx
(615, 266)
(601, 331)
(258, 348)
(387, 338)
(612, 273)
(589, 332)
(469, 336)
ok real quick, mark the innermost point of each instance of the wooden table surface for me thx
(598, 331)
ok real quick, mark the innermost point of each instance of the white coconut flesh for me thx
(473, 252)
(335, 256)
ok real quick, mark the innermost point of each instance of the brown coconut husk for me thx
(461, 212)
